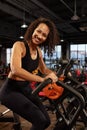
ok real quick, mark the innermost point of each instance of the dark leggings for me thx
(16, 95)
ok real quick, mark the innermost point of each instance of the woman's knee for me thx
(45, 123)
(42, 124)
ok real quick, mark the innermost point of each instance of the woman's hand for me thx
(52, 76)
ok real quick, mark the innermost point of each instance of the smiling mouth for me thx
(36, 39)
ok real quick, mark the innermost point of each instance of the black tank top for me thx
(27, 62)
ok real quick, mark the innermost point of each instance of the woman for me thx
(26, 60)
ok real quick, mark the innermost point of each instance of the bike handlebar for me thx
(65, 67)
(79, 97)
(41, 86)
(70, 89)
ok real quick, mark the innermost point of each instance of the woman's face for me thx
(40, 34)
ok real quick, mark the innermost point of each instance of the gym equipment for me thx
(67, 115)
(15, 119)
(75, 94)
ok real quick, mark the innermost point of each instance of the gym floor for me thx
(25, 125)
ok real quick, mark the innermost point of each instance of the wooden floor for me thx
(25, 125)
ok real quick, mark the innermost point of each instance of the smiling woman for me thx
(26, 59)
(40, 33)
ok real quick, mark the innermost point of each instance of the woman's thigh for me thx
(21, 105)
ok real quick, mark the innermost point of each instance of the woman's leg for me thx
(26, 108)
(38, 103)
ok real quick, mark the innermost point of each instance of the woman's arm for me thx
(18, 51)
(17, 72)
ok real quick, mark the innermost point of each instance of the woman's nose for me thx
(40, 36)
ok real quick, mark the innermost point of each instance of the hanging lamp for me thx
(24, 25)
(75, 16)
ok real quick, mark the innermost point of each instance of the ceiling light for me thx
(0, 45)
(62, 40)
(24, 25)
(21, 37)
(75, 16)
(83, 27)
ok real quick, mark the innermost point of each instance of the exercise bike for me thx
(76, 95)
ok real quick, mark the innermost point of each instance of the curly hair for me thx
(53, 37)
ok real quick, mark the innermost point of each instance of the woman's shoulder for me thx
(19, 48)
(18, 44)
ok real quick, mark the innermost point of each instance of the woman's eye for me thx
(38, 31)
(43, 34)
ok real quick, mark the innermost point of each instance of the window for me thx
(79, 52)
(8, 55)
(51, 60)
